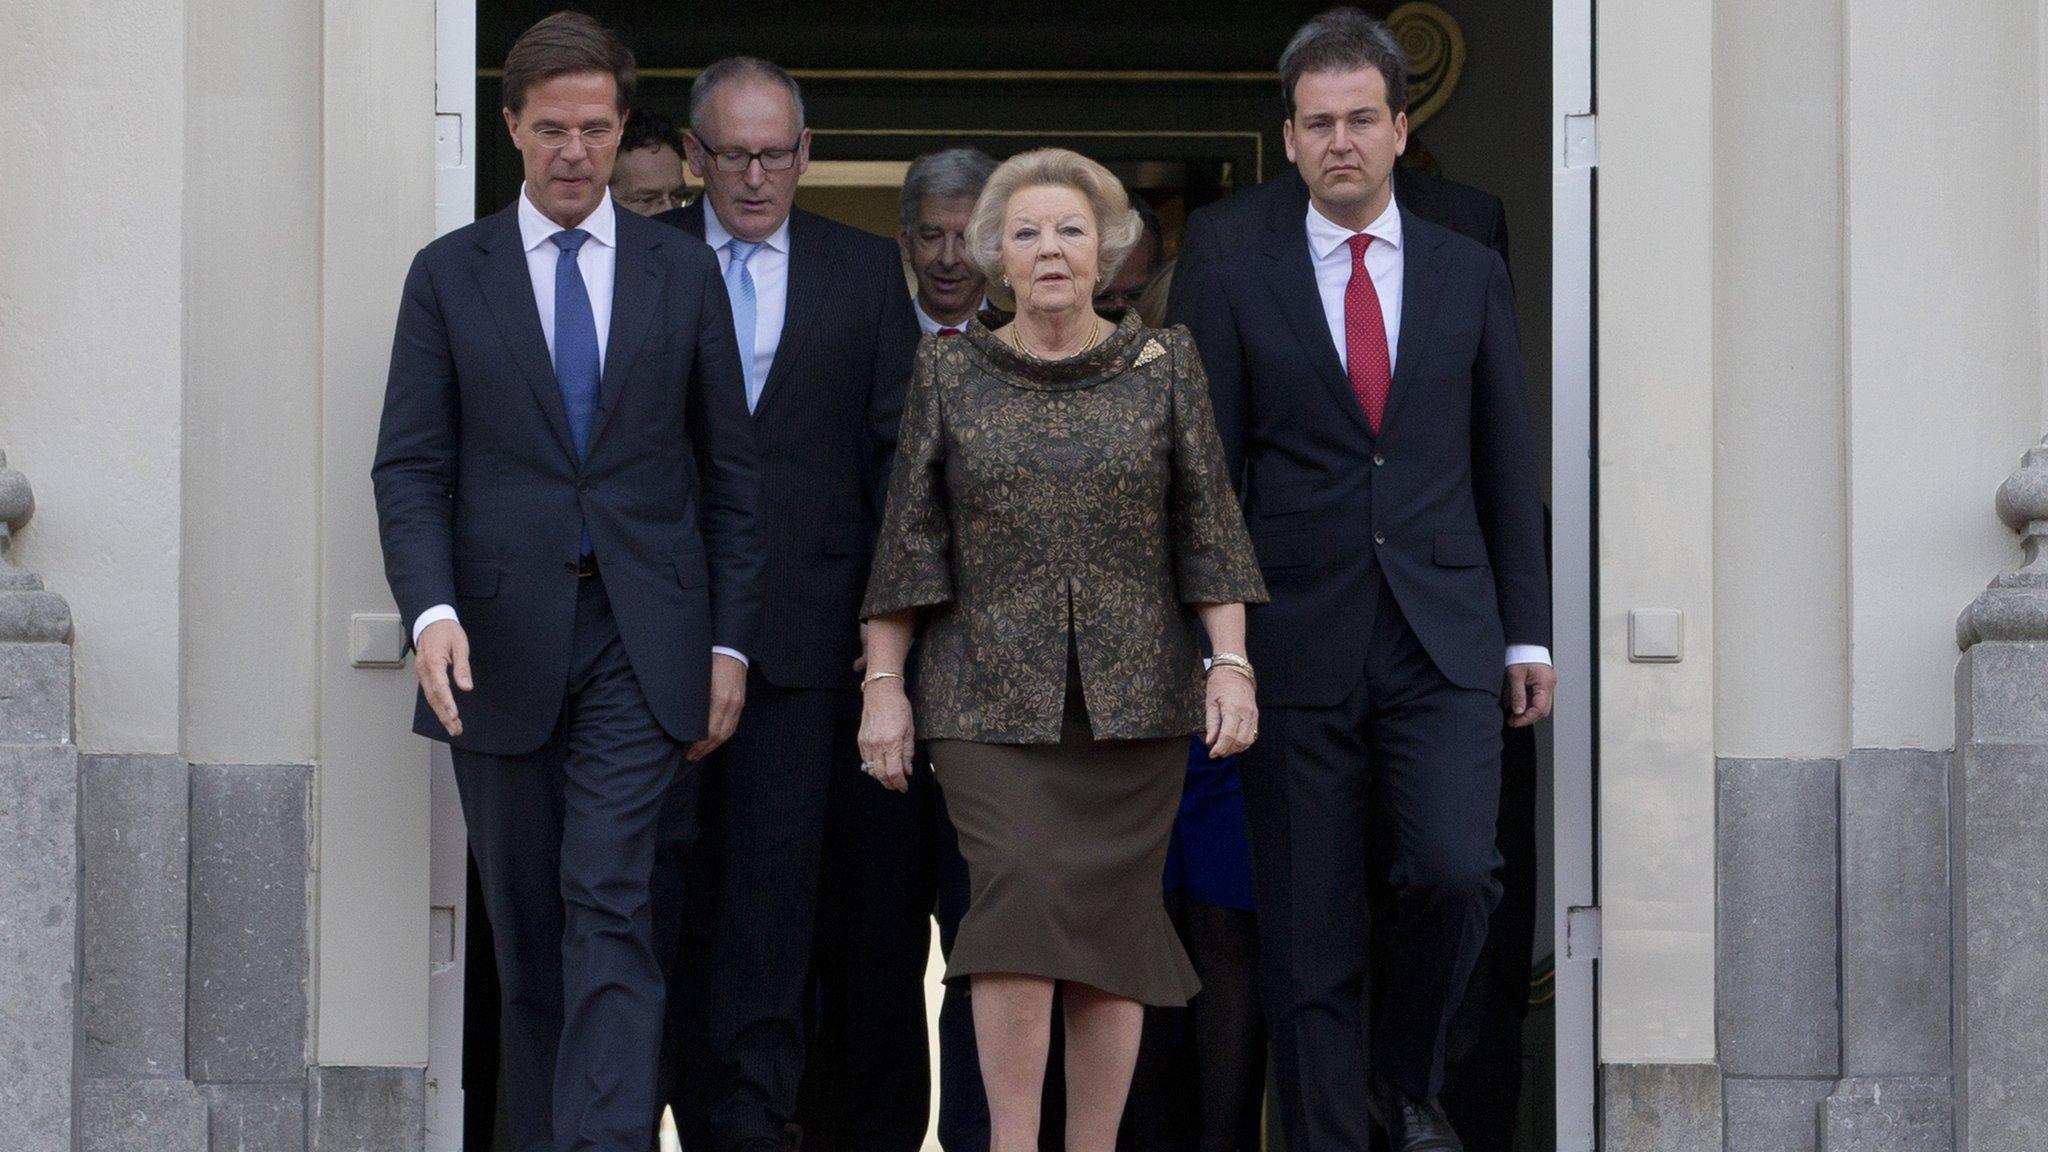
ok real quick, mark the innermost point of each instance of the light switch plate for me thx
(376, 640)
(1656, 635)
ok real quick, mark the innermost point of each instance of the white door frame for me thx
(1575, 922)
(455, 132)
(1575, 914)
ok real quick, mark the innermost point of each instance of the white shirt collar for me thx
(1325, 236)
(717, 237)
(534, 228)
(926, 321)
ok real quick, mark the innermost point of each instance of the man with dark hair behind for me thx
(648, 178)
(566, 491)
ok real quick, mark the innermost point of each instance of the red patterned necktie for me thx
(1365, 338)
(949, 332)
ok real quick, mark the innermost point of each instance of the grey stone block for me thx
(1998, 694)
(38, 941)
(128, 1115)
(256, 1117)
(1909, 1114)
(35, 693)
(1661, 1108)
(246, 1003)
(1776, 997)
(132, 913)
(1895, 914)
(1999, 824)
(1773, 1115)
(351, 1109)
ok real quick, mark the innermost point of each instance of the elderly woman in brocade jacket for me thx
(1058, 525)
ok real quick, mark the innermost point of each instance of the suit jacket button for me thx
(1379, 537)
(583, 487)
(1378, 459)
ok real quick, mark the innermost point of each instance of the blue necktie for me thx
(576, 364)
(739, 284)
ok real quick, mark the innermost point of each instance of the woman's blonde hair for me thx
(1116, 223)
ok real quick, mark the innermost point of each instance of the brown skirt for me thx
(1065, 846)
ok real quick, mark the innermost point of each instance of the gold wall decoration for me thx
(1436, 56)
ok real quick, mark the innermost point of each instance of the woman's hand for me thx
(887, 733)
(1233, 713)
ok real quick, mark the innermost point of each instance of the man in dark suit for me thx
(823, 312)
(1369, 392)
(566, 490)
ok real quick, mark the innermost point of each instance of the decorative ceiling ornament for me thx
(1436, 56)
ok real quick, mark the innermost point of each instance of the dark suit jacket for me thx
(1444, 501)
(826, 423)
(480, 496)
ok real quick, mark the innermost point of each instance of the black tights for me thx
(1201, 1076)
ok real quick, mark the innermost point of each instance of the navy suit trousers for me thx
(1405, 768)
(564, 841)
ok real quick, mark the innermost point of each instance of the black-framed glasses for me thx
(738, 159)
(595, 139)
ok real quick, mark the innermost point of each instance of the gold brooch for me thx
(1153, 350)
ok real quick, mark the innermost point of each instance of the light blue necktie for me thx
(739, 284)
(576, 362)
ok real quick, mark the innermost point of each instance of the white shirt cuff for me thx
(721, 650)
(434, 615)
(1527, 654)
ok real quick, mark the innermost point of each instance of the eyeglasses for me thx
(738, 160)
(595, 139)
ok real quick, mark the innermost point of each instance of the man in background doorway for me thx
(1143, 264)
(938, 195)
(648, 179)
(825, 328)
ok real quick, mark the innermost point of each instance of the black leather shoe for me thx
(1413, 1125)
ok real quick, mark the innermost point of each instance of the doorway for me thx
(1184, 118)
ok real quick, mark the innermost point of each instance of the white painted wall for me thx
(252, 382)
(1943, 201)
(1781, 639)
(373, 808)
(1656, 489)
(91, 340)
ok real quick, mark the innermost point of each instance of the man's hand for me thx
(728, 696)
(1532, 689)
(443, 647)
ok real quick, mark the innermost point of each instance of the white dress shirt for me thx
(1329, 249)
(931, 326)
(769, 266)
(598, 261)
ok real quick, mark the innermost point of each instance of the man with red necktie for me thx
(1368, 386)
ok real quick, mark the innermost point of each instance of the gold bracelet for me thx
(871, 677)
(1240, 669)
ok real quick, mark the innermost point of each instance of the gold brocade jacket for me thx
(1036, 500)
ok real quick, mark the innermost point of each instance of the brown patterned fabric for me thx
(1028, 495)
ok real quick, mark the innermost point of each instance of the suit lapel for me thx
(507, 289)
(636, 291)
(1422, 287)
(1291, 276)
(810, 272)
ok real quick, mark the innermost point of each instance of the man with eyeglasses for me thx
(648, 178)
(566, 494)
(824, 312)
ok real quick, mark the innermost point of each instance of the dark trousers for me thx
(564, 842)
(867, 1085)
(735, 1054)
(1410, 757)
